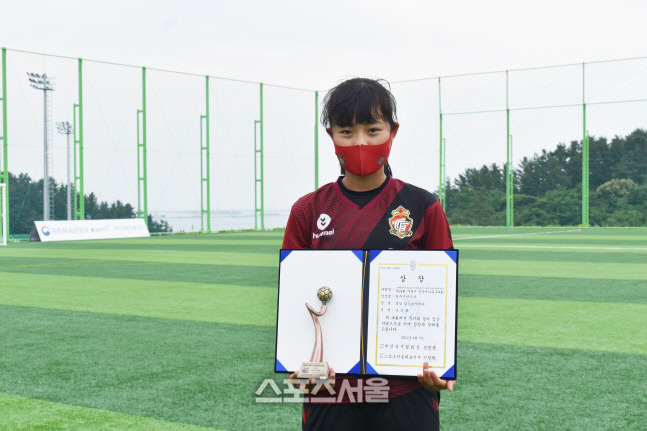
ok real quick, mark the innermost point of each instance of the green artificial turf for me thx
(248, 305)
(177, 332)
(553, 288)
(197, 373)
(551, 268)
(562, 324)
(180, 272)
(27, 414)
(536, 388)
(126, 255)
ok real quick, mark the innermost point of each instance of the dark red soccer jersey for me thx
(401, 216)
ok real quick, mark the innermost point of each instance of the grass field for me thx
(177, 332)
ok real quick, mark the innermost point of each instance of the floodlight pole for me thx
(65, 128)
(42, 82)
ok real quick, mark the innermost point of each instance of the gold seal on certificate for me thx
(315, 367)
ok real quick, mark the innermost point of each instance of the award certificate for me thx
(388, 311)
(412, 312)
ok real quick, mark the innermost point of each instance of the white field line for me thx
(540, 246)
(517, 234)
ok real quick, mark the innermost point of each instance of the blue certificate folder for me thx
(390, 311)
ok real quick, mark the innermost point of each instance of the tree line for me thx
(26, 205)
(548, 187)
(547, 191)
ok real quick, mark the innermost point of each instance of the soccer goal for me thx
(3, 213)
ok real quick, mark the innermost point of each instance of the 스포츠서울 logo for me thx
(401, 224)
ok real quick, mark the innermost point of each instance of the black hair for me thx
(360, 101)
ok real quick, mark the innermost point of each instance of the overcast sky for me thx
(315, 44)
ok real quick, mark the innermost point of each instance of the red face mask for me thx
(363, 160)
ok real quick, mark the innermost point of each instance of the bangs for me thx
(363, 107)
(358, 101)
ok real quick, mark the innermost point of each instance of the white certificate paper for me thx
(412, 312)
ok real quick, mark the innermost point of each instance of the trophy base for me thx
(316, 370)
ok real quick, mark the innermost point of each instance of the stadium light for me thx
(42, 82)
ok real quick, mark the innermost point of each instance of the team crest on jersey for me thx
(401, 224)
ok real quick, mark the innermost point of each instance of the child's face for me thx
(361, 134)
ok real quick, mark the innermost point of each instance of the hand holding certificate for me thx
(430, 380)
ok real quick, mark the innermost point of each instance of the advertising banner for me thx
(74, 230)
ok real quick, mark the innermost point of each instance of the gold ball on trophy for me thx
(324, 294)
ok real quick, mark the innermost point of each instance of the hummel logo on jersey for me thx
(323, 221)
(401, 224)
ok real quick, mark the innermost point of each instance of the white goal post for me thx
(3, 213)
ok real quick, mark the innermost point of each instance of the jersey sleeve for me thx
(297, 231)
(438, 235)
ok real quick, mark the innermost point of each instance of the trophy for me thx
(316, 368)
